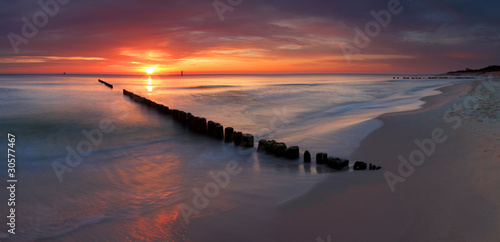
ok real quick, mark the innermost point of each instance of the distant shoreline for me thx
(484, 70)
(467, 71)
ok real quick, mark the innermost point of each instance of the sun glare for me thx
(150, 69)
(150, 85)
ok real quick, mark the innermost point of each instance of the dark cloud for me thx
(437, 35)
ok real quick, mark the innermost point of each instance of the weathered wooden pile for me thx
(105, 83)
(279, 149)
(216, 131)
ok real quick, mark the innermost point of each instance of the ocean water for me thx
(127, 181)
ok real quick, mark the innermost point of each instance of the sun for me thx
(150, 69)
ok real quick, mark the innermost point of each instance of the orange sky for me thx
(237, 61)
(96, 37)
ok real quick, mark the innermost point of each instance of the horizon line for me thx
(201, 74)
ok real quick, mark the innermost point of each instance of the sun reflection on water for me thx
(150, 85)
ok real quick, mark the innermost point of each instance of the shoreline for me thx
(456, 176)
(433, 101)
(450, 93)
(448, 197)
(447, 94)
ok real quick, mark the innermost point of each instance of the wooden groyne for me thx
(197, 124)
(438, 77)
(105, 83)
(215, 130)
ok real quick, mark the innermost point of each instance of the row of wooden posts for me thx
(432, 77)
(217, 131)
(105, 83)
(197, 124)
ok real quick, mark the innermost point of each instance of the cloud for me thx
(41, 59)
(450, 38)
(257, 36)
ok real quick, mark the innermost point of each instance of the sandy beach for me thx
(450, 195)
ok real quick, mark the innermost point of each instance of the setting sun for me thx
(150, 69)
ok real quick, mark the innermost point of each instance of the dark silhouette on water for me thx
(217, 131)
(105, 83)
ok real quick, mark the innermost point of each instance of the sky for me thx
(248, 36)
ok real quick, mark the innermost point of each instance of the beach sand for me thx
(453, 195)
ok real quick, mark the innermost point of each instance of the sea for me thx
(93, 165)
